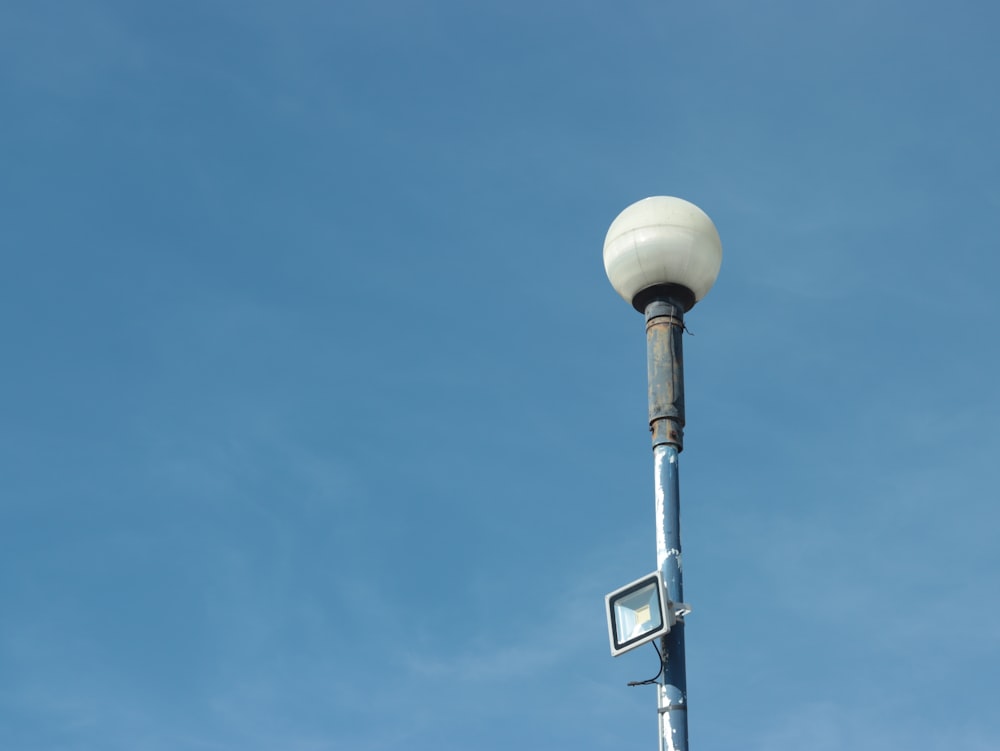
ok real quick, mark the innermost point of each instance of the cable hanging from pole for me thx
(655, 678)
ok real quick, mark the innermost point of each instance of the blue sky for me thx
(321, 427)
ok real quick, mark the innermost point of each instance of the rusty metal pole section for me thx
(665, 363)
(662, 255)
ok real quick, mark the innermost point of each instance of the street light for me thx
(662, 256)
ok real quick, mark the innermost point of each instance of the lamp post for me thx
(662, 255)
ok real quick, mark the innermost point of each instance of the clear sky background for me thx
(321, 428)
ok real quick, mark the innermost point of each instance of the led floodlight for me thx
(637, 613)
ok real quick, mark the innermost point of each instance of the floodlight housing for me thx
(637, 613)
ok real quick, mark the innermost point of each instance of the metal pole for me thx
(665, 361)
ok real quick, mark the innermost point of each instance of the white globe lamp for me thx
(662, 244)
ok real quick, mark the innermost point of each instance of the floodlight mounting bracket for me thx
(679, 609)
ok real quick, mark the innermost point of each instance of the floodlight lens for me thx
(638, 613)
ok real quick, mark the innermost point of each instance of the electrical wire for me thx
(663, 665)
